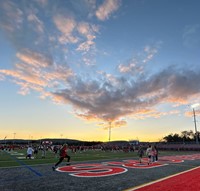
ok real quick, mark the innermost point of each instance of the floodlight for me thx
(195, 105)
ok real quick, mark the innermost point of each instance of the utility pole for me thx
(195, 125)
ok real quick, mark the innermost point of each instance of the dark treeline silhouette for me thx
(183, 137)
(54, 142)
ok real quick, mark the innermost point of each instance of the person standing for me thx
(63, 155)
(156, 152)
(153, 154)
(29, 152)
(148, 153)
(44, 150)
(140, 153)
(35, 151)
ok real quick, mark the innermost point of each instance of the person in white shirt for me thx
(148, 153)
(29, 152)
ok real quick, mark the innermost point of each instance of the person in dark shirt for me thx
(140, 153)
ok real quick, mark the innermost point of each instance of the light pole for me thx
(61, 140)
(195, 122)
(40, 140)
(14, 137)
(29, 139)
(5, 140)
(109, 131)
(195, 125)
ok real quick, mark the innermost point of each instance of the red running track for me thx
(185, 181)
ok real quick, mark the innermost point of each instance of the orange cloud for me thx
(36, 72)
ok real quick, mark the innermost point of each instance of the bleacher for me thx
(179, 147)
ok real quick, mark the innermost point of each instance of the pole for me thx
(5, 140)
(195, 125)
(109, 131)
(29, 139)
(14, 138)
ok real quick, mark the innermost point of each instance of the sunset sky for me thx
(71, 68)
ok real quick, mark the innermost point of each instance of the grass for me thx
(9, 159)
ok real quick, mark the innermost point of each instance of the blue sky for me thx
(71, 68)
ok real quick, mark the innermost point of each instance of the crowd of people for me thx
(61, 151)
(151, 152)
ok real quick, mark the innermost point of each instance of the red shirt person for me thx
(63, 155)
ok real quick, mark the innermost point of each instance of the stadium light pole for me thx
(29, 139)
(14, 138)
(109, 131)
(195, 122)
(5, 140)
(40, 140)
(195, 125)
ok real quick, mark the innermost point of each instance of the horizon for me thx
(75, 69)
(60, 139)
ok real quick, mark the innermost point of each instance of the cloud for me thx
(48, 27)
(21, 24)
(81, 33)
(2, 77)
(105, 97)
(35, 71)
(38, 25)
(191, 35)
(150, 52)
(34, 58)
(88, 31)
(55, 69)
(132, 66)
(66, 26)
(191, 114)
(108, 101)
(85, 46)
(11, 16)
(84, 29)
(114, 124)
(42, 2)
(107, 8)
(137, 63)
(89, 60)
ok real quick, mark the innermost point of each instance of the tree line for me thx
(184, 137)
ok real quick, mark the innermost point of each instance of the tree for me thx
(188, 136)
(185, 136)
(172, 138)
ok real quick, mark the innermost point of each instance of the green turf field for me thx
(17, 157)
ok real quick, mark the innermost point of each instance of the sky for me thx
(75, 68)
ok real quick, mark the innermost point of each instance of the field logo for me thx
(115, 167)
(92, 170)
